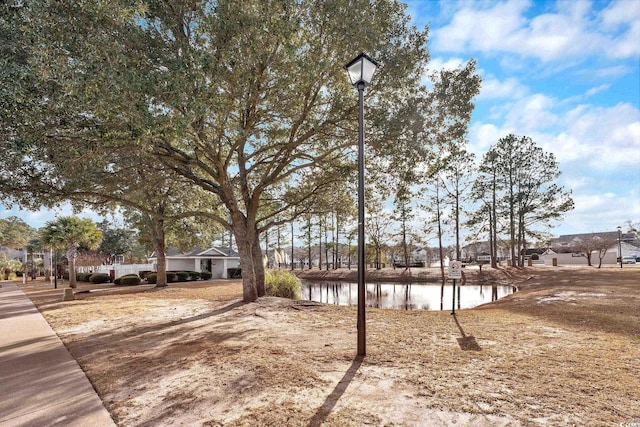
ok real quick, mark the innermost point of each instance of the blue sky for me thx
(565, 73)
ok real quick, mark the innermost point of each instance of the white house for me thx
(217, 260)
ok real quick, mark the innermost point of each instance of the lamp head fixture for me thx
(361, 69)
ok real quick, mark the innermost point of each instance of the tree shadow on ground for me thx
(330, 402)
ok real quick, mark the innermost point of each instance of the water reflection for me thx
(404, 296)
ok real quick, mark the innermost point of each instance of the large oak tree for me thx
(246, 100)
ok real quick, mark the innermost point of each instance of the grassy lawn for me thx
(564, 350)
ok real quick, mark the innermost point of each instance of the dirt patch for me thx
(564, 350)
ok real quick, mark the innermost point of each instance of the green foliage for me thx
(8, 267)
(152, 278)
(182, 276)
(280, 117)
(84, 277)
(281, 283)
(517, 182)
(14, 232)
(70, 232)
(128, 280)
(206, 275)
(116, 240)
(97, 278)
(194, 275)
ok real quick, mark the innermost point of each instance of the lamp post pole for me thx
(360, 71)
(362, 290)
(620, 244)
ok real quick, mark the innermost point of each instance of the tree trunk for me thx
(310, 238)
(258, 267)
(71, 257)
(249, 289)
(292, 242)
(439, 222)
(251, 262)
(159, 245)
(320, 244)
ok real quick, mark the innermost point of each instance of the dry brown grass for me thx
(564, 350)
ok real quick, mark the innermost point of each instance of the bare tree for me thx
(589, 245)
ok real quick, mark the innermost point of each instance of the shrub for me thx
(281, 283)
(206, 275)
(194, 275)
(171, 276)
(143, 273)
(182, 276)
(234, 273)
(97, 278)
(152, 278)
(83, 277)
(130, 280)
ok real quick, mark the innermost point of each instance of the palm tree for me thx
(68, 233)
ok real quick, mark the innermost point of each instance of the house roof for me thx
(568, 239)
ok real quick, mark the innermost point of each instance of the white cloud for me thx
(608, 72)
(597, 89)
(568, 32)
(600, 212)
(621, 12)
(509, 88)
(483, 135)
(601, 138)
(531, 113)
(481, 29)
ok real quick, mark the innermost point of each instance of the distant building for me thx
(217, 260)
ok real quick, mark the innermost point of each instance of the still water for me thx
(404, 296)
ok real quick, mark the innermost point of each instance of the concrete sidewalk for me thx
(40, 383)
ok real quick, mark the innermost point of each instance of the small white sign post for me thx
(455, 272)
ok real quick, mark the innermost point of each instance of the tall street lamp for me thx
(620, 244)
(361, 70)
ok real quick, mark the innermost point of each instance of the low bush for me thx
(194, 275)
(281, 283)
(182, 276)
(97, 278)
(143, 274)
(206, 275)
(130, 280)
(83, 277)
(152, 278)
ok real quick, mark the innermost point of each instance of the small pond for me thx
(404, 296)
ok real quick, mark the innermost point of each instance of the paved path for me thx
(40, 383)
